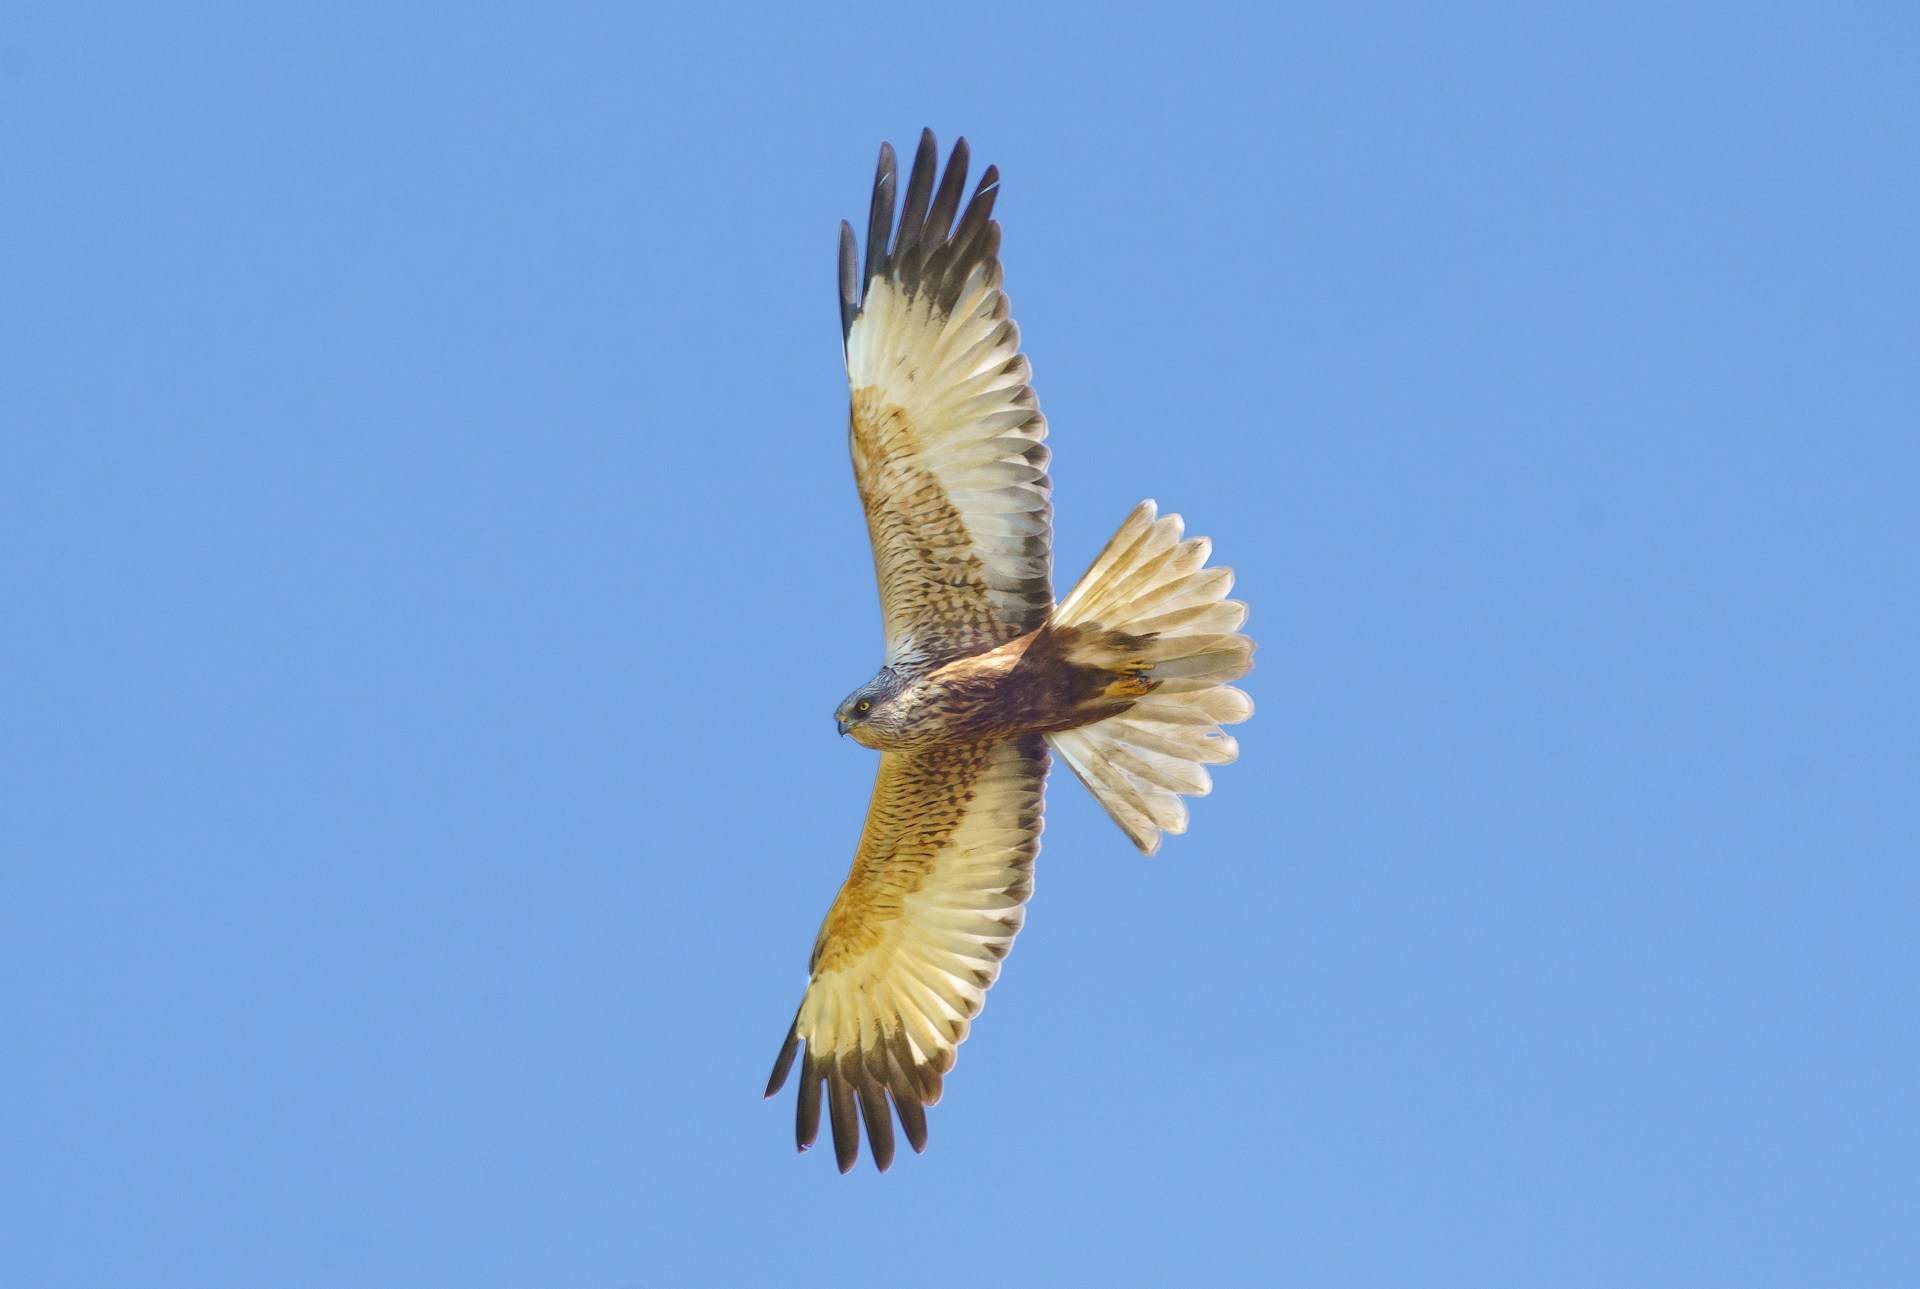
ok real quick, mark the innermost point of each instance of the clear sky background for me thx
(429, 563)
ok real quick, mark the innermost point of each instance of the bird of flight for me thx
(1126, 678)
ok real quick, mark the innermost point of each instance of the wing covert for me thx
(945, 431)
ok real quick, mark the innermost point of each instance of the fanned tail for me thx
(1151, 612)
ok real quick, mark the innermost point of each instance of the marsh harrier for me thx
(1126, 679)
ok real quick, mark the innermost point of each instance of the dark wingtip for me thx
(939, 240)
(980, 208)
(873, 1109)
(913, 1121)
(849, 279)
(784, 1062)
(970, 238)
(946, 202)
(880, 215)
(845, 1119)
(806, 1106)
(913, 206)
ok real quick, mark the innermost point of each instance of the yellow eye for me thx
(862, 705)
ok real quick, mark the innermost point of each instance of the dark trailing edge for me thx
(922, 259)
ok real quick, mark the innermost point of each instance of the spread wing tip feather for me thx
(853, 1096)
(845, 1120)
(849, 279)
(806, 1106)
(935, 245)
(880, 215)
(784, 1062)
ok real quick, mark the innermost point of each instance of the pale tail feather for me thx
(1177, 628)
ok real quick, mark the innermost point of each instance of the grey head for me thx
(867, 709)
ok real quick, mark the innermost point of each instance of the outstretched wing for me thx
(915, 938)
(946, 433)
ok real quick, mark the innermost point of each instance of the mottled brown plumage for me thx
(983, 673)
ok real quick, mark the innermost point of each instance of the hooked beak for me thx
(842, 724)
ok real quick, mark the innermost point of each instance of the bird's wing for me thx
(946, 432)
(915, 938)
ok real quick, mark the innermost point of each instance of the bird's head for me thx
(869, 712)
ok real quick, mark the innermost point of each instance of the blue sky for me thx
(430, 564)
